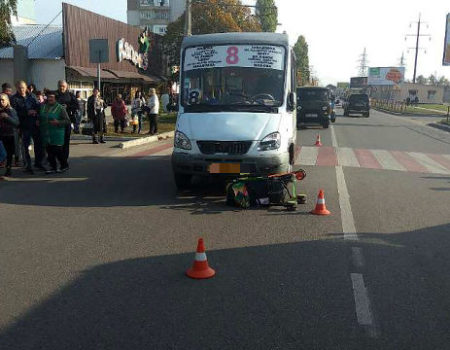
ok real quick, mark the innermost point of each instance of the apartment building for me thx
(154, 14)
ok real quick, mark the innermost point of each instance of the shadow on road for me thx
(286, 296)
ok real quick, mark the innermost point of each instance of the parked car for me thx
(357, 104)
(313, 106)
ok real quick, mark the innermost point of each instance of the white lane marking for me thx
(431, 165)
(348, 222)
(308, 155)
(358, 259)
(387, 161)
(333, 138)
(346, 157)
(362, 302)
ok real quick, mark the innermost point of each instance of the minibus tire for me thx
(182, 181)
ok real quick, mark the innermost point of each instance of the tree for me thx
(7, 8)
(432, 80)
(301, 52)
(421, 80)
(443, 81)
(267, 13)
(209, 16)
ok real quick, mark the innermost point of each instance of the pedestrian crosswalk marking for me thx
(382, 159)
(387, 161)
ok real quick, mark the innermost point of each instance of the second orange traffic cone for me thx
(321, 208)
(200, 269)
(318, 143)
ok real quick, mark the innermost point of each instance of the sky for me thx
(336, 31)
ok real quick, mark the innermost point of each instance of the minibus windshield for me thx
(239, 76)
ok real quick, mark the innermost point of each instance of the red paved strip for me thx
(326, 157)
(441, 160)
(408, 162)
(151, 151)
(366, 159)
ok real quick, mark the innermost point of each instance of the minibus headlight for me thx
(182, 141)
(270, 142)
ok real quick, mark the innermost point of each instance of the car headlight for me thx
(324, 108)
(270, 142)
(299, 107)
(182, 141)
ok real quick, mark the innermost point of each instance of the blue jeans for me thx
(78, 117)
(2, 152)
(35, 135)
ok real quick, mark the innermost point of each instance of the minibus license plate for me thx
(311, 115)
(225, 168)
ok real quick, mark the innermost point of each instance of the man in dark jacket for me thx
(27, 108)
(68, 100)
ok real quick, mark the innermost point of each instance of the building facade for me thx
(154, 14)
(403, 91)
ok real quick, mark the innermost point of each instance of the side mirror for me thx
(292, 99)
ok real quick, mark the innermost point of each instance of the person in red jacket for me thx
(119, 112)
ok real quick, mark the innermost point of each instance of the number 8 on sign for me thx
(232, 57)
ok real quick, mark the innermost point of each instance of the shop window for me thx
(431, 94)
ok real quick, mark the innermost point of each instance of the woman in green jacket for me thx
(53, 119)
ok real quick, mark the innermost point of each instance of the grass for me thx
(444, 121)
(413, 110)
(434, 106)
(166, 123)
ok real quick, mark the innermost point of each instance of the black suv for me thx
(357, 104)
(313, 106)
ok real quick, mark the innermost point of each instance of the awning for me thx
(92, 72)
(134, 75)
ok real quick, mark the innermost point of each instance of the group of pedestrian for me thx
(45, 120)
(139, 107)
(27, 119)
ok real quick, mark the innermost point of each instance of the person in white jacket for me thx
(153, 105)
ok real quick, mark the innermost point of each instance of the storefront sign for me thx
(125, 51)
(253, 56)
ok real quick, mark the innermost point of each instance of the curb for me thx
(439, 126)
(407, 114)
(145, 140)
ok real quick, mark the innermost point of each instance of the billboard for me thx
(343, 85)
(386, 75)
(358, 82)
(446, 59)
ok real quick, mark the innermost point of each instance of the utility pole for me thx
(188, 19)
(417, 48)
(363, 64)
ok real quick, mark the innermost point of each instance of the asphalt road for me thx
(95, 258)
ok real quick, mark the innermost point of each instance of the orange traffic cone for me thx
(200, 269)
(318, 143)
(320, 208)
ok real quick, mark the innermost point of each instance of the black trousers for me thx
(117, 123)
(56, 153)
(10, 147)
(153, 119)
(66, 146)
